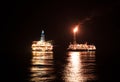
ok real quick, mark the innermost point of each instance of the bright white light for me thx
(75, 29)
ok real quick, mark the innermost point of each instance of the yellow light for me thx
(75, 29)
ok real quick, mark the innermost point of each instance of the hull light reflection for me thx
(42, 67)
(80, 67)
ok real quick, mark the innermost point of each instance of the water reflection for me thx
(42, 67)
(80, 67)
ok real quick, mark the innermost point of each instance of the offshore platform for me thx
(79, 47)
(42, 45)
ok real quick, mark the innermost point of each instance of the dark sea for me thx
(59, 65)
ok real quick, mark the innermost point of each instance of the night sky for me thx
(22, 22)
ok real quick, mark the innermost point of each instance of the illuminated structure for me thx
(42, 45)
(75, 46)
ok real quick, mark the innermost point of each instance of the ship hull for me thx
(81, 47)
(42, 46)
(80, 50)
(40, 50)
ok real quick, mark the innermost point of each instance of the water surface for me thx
(73, 67)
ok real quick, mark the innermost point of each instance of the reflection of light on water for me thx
(42, 67)
(80, 67)
(41, 58)
(75, 59)
(72, 69)
(75, 65)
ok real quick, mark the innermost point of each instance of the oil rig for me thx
(42, 45)
(79, 47)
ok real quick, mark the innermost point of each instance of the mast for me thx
(42, 36)
(74, 35)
